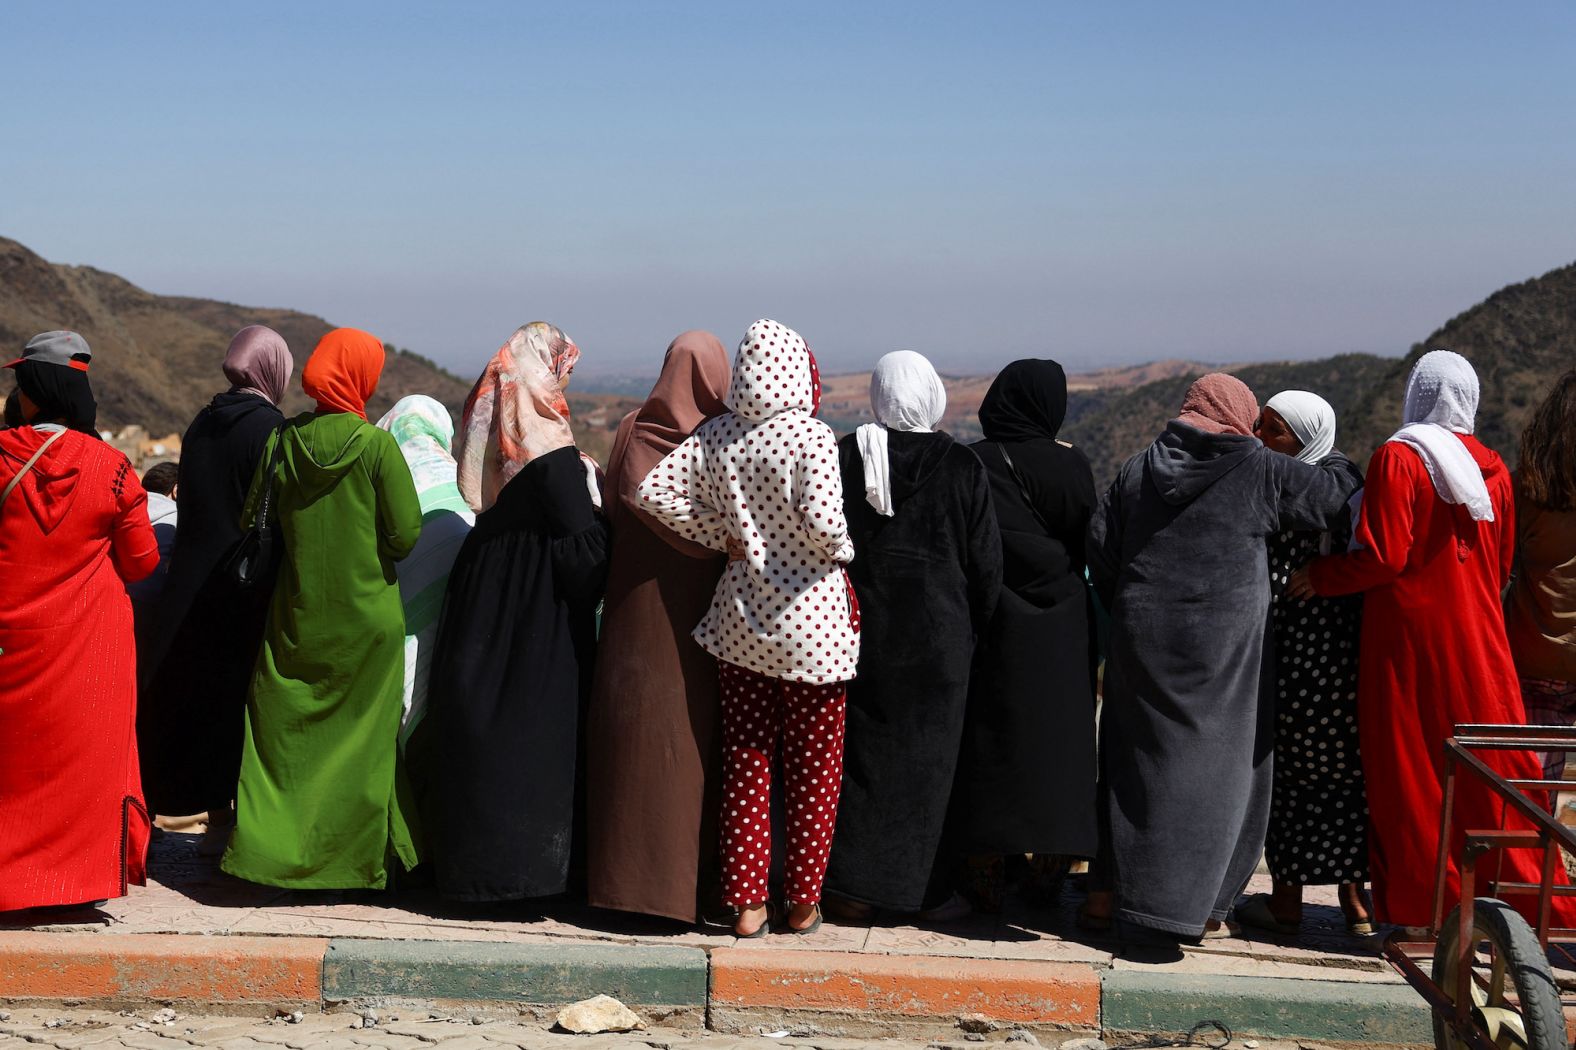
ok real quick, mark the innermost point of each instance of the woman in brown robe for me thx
(652, 743)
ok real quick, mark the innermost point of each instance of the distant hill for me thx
(156, 362)
(1110, 425)
(1134, 375)
(1520, 339)
(156, 357)
(845, 400)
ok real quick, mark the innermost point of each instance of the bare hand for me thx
(735, 550)
(1300, 586)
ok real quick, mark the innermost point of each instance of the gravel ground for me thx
(77, 1029)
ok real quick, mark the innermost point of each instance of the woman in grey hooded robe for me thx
(1177, 553)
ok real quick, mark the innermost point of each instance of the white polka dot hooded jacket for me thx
(766, 475)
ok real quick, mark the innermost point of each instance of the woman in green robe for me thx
(321, 801)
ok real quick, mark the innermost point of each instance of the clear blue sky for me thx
(1097, 182)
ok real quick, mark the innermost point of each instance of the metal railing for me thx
(1543, 832)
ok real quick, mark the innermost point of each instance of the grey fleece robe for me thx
(1177, 553)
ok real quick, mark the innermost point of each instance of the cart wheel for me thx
(1512, 952)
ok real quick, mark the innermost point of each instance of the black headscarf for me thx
(1028, 400)
(13, 411)
(61, 393)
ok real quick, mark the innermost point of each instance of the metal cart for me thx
(1491, 985)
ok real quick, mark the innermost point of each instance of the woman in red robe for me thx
(73, 532)
(1434, 540)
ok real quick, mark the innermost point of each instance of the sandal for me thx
(760, 931)
(1255, 912)
(1224, 931)
(816, 925)
(1363, 927)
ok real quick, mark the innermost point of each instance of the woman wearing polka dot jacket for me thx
(762, 483)
(1318, 833)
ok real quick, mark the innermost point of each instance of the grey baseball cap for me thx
(56, 348)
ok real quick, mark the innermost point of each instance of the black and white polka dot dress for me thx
(1318, 831)
(766, 475)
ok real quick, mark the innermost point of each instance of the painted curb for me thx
(1270, 1007)
(740, 986)
(161, 967)
(536, 974)
(1064, 995)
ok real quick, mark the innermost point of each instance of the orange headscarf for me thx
(343, 371)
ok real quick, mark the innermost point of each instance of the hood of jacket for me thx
(321, 449)
(913, 459)
(1487, 460)
(161, 509)
(771, 373)
(1184, 461)
(232, 406)
(50, 487)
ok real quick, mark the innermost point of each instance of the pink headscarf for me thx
(1220, 404)
(516, 411)
(258, 362)
(691, 389)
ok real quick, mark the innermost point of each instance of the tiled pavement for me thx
(199, 940)
(190, 895)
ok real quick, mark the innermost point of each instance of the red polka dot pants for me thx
(755, 711)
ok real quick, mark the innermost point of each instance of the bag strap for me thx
(268, 482)
(17, 480)
(1023, 489)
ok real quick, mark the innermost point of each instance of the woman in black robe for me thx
(927, 575)
(512, 668)
(1027, 783)
(195, 676)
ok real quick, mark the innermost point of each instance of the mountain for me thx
(156, 362)
(1520, 339)
(1134, 375)
(1110, 425)
(156, 357)
(845, 399)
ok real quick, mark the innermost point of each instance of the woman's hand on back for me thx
(1300, 586)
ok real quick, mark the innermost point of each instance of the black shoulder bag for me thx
(253, 561)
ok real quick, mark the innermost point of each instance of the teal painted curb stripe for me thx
(540, 974)
(1270, 1007)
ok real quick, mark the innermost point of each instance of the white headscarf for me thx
(1441, 402)
(1311, 418)
(906, 395)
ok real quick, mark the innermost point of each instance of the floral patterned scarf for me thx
(516, 412)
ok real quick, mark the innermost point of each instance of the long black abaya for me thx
(1027, 784)
(511, 677)
(927, 579)
(192, 705)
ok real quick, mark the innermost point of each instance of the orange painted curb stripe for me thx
(161, 966)
(1008, 990)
